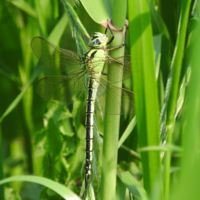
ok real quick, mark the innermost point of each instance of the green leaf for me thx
(54, 38)
(172, 148)
(145, 89)
(133, 185)
(58, 30)
(157, 41)
(41, 18)
(99, 10)
(172, 87)
(81, 35)
(189, 176)
(23, 5)
(19, 97)
(127, 132)
(11, 194)
(39, 136)
(7, 72)
(121, 189)
(158, 25)
(57, 187)
(54, 140)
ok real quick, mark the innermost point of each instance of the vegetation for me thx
(155, 156)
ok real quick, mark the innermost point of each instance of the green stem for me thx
(127, 132)
(28, 147)
(119, 6)
(41, 19)
(111, 132)
(131, 152)
(176, 70)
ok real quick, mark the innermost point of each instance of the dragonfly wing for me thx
(119, 65)
(62, 90)
(55, 58)
(120, 96)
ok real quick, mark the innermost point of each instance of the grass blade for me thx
(145, 89)
(173, 86)
(54, 37)
(58, 30)
(133, 185)
(23, 5)
(98, 10)
(19, 97)
(57, 187)
(127, 132)
(40, 16)
(190, 162)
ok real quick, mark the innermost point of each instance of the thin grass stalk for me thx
(78, 30)
(54, 37)
(1, 167)
(27, 98)
(111, 132)
(41, 19)
(189, 178)
(176, 70)
(127, 132)
(130, 152)
(14, 103)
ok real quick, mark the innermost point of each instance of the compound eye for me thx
(96, 42)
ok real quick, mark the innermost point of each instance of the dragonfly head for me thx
(98, 40)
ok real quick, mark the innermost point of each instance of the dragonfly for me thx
(85, 77)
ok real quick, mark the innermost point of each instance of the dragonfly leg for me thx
(106, 30)
(116, 61)
(117, 47)
(112, 59)
(112, 38)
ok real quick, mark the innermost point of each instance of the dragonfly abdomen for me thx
(89, 124)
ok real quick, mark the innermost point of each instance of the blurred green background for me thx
(26, 148)
(48, 140)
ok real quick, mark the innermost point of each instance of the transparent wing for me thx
(62, 90)
(120, 96)
(119, 65)
(55, 58)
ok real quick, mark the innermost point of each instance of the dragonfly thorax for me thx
(98, 40)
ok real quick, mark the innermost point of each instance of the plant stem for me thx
(131, 152)
(111, 132)
(119, 6)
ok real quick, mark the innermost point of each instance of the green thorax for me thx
(95, 57)
(96, 60)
